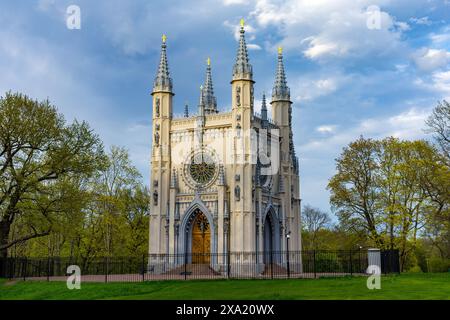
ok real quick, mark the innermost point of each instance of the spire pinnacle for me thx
(264, 110)
(209, 99)
(201, 104)
(163, 82)
(280, 89)
(186, 110)
(242, 68)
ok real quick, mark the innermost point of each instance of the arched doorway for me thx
(201, 238)
(268, 239)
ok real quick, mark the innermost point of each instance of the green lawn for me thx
(405, 286)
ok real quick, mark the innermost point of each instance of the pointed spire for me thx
(208, 92)
(242, 68)
(264, 111)
(163, 82)
(186, 111)
(280, 89)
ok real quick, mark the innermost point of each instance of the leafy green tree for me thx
(40, 158)
(390, 188)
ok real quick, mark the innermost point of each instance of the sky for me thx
(354, 67)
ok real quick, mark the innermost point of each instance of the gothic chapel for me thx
(223, 182)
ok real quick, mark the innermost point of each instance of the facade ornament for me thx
(157, 107)
(155, 198)
(156, 139)
(238, 96)
(237, 193)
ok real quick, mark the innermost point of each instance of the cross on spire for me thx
(209, 99)
(163, 82)
(242, 68)
(280, 89)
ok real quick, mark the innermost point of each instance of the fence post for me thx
(143, 267)
(48, 268)
(25, 264)
(228, 262)
(351, 263)
(314, 264)
(271, 263)
(185, 265)
(106, 269)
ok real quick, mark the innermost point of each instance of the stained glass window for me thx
(202, 169)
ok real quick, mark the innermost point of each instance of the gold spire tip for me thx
(164, 38)
(242, 23)
(208, 61)
(280, 50)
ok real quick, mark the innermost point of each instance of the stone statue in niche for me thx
(155, 198)
(157, 127)
(237, 193)
(157, 139)
(238, 96)
(157, 107)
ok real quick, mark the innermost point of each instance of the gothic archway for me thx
(187, 227)
(271, 235)
(200, 238)
(268, 239)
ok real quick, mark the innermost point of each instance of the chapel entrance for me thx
(201, 239)
(268, 240)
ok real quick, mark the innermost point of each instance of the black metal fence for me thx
(234, 265)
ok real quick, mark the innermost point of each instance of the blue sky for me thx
(346, 78)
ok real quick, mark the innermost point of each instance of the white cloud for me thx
(441, 82)
(310, 87)
(253, 46)
(324, 29)
(421, 21)
(233, 2)
(405, 125)
(428, 59)
(326, 129)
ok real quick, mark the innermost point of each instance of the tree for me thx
(41, 160)
(354, 190)
(313, 221)
(439, 124)
(390, 188)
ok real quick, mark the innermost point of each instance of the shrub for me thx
(438, 265)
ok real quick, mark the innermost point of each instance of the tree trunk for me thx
(5, 227)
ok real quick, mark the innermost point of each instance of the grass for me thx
(405, 286)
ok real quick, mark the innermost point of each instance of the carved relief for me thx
(155, 198)
(157, 107)
(238, 96)
(157, 139)
(237, 193)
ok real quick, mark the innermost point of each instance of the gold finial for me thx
(208, 61)
(164, 38)
(242, 23)
(280, 50)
